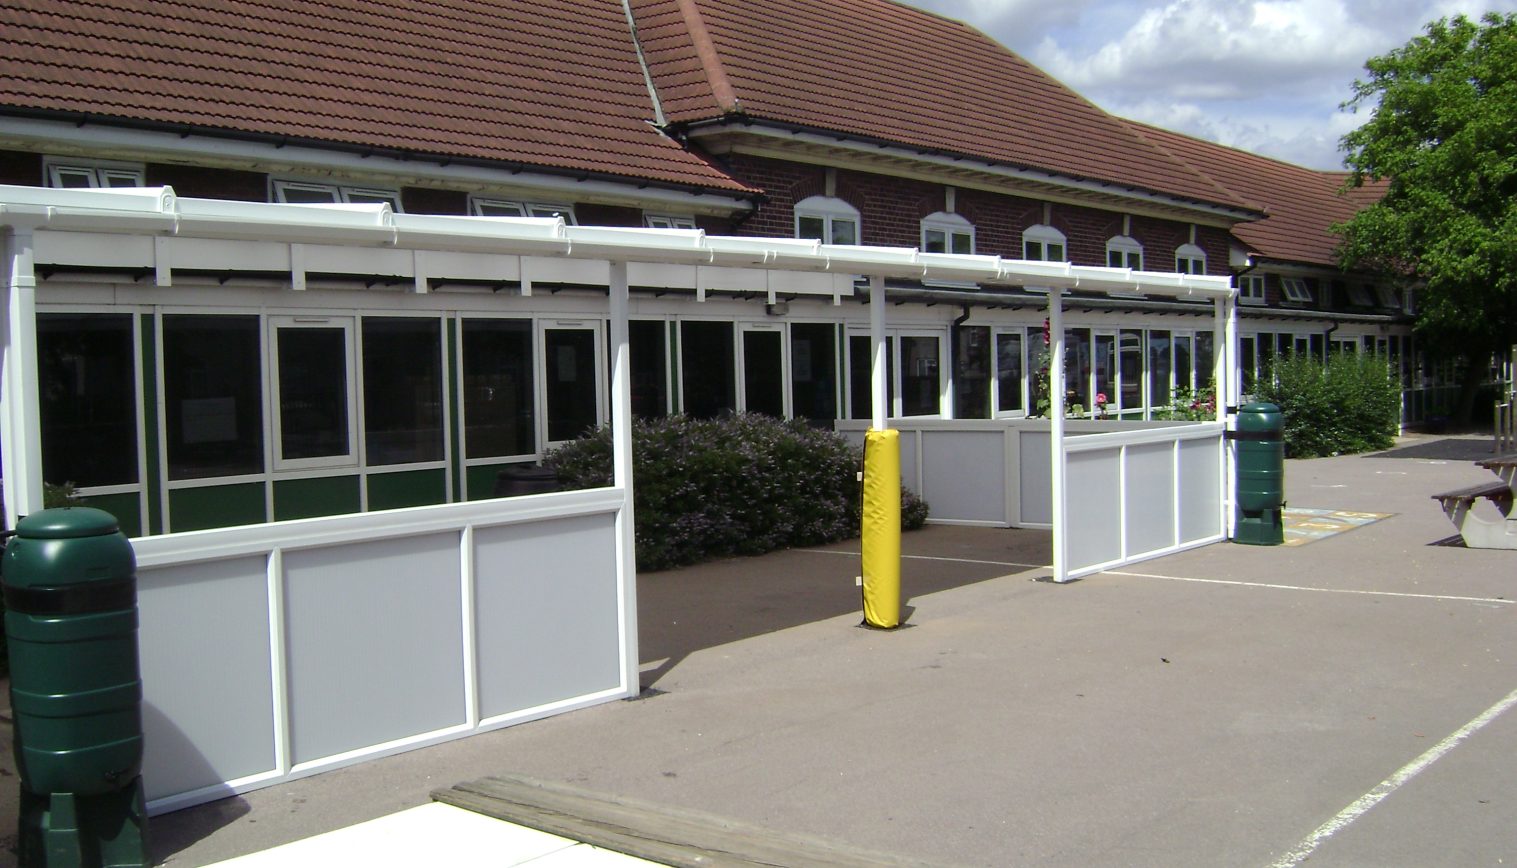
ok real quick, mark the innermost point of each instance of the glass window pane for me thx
(1032, 250)
(1204, 359)
(1114, 258)
(1009, 372)
(1077, 368)
(813, 372)
(1246, 362)
(571, 371)
(307, 195)
(1158, 368)
(1130, 369)
(88, 391)
(1106, 372)
(963, 243)
(213, 396)
(66, 177)
(649, 362)
(488, 208)
(860, 382)
(763, 373)
(935, 241)
(499, 418)
(919, 377)
(971, 372)
(1038, 363)
(1055, 253)
(814, 228)
(119, 178)
(374, 197)
(844, 231)
(402, 390)
(313, 393)
(708, 369)
(1182, 361)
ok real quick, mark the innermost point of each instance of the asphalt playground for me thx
(1342, 702)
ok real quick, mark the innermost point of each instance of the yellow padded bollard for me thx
(882, 528)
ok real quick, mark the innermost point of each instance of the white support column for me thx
(20, 431)
(1056, 431)
(878, 368)
(621, 473)
(1229, 380)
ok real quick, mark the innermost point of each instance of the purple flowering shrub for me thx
(738, 485)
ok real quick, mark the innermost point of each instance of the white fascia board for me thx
(138, 200)
(277, 159)
(1032, 272)
(638, 244)
(797, 253)
(960, 267)
(543, 236)
(882, 261)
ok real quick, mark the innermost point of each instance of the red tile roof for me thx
(1302, 203)
(887, 72)
(550, 83)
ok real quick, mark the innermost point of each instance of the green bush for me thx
(1190, 405)
(1351, 404)
(739, 485)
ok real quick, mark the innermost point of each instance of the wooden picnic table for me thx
(1478, 531)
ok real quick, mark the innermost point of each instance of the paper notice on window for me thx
(208, 420)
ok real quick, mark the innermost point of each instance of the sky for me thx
(1264, 75)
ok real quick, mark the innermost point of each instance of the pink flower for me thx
(1101, 399)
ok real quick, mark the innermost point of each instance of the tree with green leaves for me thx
(1442, 135)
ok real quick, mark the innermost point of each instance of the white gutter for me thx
(157, 211)
(275, 158)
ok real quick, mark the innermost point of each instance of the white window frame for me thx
(1251, 288)
(743, 330)
(1044, 236)
(666, 221)
(348, 326)
(830, 210)
(1129, 252)
(996, 411)
(340, 193)
(1190, 259)
(1296, 290)
(597, 328)
(99, 173)
(480, 206)
(951, 226)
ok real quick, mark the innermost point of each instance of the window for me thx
(1190, 259)
(813, 371)
(1359, 295)
(307, 193)
(1009, 367)
(213, 391)
(1386, 295)
(1043, 243)
(505, 208)
(827, 219)
(1124, 252)
(1296, 289)
(649, 357)
(947, 233)
(666, 221)
(93, 173)
(1251, 288)
(708, 369)
(314, 396)
(499, 416)
(87, 383)
(402, 390)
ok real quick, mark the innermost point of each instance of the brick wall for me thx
(892, 209)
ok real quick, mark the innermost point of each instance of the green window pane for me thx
(963, 243)
(814, 228)
(844, 231)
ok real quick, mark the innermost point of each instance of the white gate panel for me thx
(1202, 509)
(208, 709)
(546, 618)
(1148, 497)
(1094, 509)
(375, 643)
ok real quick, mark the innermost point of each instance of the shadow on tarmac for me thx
(690, 609)
(1469, 447)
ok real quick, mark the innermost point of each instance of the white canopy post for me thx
(1229, 383)
(20, 430)
(1056, 430)
(878, 371)
(621, 473)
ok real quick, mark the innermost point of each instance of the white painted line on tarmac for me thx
(1356, 810)
(930, 558)
(1449, 597)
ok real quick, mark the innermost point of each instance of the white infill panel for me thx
(1148, 499)
(1094, 511)
(546, 618)
(207, 675)
(375, 643)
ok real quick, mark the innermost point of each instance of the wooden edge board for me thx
(672, 836)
